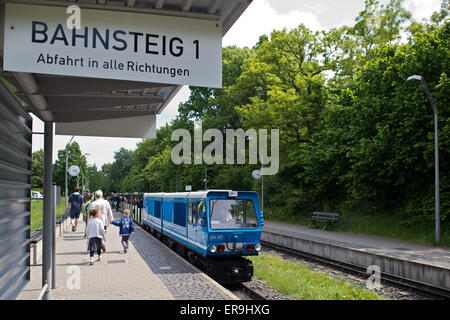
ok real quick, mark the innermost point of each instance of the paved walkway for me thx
(410, 251)
(148, 271)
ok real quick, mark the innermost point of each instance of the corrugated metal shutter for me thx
(15, 193)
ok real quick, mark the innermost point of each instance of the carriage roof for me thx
(193, 195)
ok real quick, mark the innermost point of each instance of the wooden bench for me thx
(328, 218)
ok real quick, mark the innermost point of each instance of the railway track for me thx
(399, 282)
(240, 289)
(419, 287)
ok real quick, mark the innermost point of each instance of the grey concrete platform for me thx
(148, 271)
(413, 261)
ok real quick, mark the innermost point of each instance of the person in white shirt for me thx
(96, 234)
(103, 206)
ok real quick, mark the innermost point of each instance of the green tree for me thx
(215, 107)
(376, 25)
(108, 185)
(286, 76)
(76, 158)
(95, 179)
(37, 169)
(440, 16)
(378, 144)
(119, 169)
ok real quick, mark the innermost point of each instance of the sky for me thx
(261, 17)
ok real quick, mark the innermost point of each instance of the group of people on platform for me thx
(98, 216)
(116, 200)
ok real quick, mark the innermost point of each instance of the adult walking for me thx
(104, 208)
(76, 206)
(88, 198)
(118, 200)
(112, 199)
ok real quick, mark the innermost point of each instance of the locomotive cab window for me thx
(232, 214)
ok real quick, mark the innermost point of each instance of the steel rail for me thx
(423, 288)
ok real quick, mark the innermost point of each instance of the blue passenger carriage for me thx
(213, 229)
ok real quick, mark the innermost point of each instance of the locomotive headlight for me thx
(258, 247)
(213, 248)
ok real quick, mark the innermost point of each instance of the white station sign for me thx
(113, 45)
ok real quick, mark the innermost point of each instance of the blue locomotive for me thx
(213, 229)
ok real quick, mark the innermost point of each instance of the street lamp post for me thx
(262, 190)
(206, 173)
(65, 176)
(206, 178)
(258, 174)
(436, 157)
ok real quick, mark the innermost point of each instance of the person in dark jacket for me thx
(76, 206)
(112, 198)
(117, 202)
(126, 225)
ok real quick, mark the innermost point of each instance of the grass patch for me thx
(36, 212)
(301, 283)
(392, 227)
(376, 225)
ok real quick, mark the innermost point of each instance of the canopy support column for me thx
(48, 224)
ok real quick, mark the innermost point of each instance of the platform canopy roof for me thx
(66, 99)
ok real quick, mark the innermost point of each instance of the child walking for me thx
(126, 228)
(96, 234)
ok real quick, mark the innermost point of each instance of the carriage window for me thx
(232, 214)
(200, 208)
(194, 212)
(190, 220)
(179, 214)
(157, 211)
